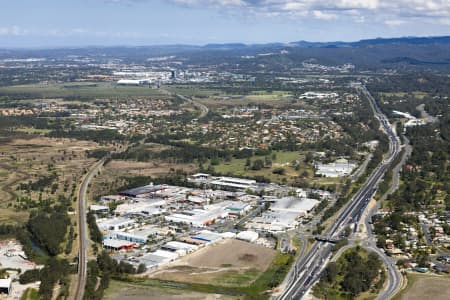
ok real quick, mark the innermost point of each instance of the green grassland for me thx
(418, 95)
(30, 294)
(284, 159)
(83, 90)
(236, 167)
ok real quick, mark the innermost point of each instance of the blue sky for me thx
(55, 23)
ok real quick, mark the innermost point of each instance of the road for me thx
(82, 230)
(204, 110)
(306, 271)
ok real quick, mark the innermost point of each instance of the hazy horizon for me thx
(60, 24)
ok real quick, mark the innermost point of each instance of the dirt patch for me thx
(228, 263)
(428, 287)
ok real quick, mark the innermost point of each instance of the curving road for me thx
(82, 230)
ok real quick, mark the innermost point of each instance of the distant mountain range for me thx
(370, 54)
(337, 44)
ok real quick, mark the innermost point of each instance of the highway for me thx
(82, 230)
(306, 271)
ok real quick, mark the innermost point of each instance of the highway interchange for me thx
(306, 270)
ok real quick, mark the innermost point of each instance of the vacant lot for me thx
(426, 287)
(126, 291)
(229, 263)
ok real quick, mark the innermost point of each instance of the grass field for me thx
(128, 291)
(28, 160)
(425, 287)
(284, 159)
(30, 294)
(229, 263)
(85, 90)
(418, 95)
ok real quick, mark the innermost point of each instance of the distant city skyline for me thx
(67, 23)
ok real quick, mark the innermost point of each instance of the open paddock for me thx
(227, 263)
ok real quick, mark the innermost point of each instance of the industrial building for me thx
(99, 209)
(207, 236)
(140, 236)
(339, 168)
(143, 191)
(116, 245)
(114, 224)
(283, 214)
(135, 82)
(248, 236)
(175, 246)
(5, 286)
(234, 183)
(198, 217)
(142, 206)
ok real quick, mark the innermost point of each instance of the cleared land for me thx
(126, 291)
(426, 287)
(228, 263)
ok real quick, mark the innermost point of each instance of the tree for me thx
(257, 165)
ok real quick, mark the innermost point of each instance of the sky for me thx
(74, 23)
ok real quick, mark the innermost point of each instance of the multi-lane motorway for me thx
(307, 269)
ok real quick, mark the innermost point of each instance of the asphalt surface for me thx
(82, 230)
(306, 271)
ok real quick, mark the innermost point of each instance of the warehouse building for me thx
(140, 236)
(116, 245)
(339, 168)
(143, 191)
(5, 286)
(114, 224)
(234, 183)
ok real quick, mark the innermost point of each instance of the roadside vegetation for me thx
(356, 274)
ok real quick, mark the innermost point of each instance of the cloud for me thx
(68, 32)
(384, 11)
(12, 31)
